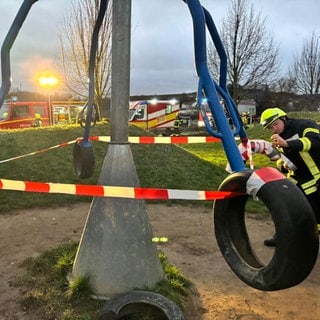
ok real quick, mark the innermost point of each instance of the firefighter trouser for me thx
(314, 200)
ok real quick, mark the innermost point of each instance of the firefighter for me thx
(37, 120)
(177, 124)
(299, 141)
(245, 119)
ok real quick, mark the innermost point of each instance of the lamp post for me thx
(48, 82)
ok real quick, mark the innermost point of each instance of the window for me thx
(20, 111)
(168, 108)
(40, 109)
(139, 114)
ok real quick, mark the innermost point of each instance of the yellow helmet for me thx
(270, 115)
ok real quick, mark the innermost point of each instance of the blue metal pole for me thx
(206, 86)
(7, 44)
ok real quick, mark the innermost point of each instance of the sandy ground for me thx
(218, 293)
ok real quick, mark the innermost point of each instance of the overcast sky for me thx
(162, 58)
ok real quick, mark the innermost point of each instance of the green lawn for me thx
(188, 166)
(162, 166)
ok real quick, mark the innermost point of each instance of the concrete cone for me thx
(116, 249)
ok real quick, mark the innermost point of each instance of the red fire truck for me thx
(23, 114)
(18, 114)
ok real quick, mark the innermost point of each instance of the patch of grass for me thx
(79, 287)
(47, 290)
(173, 167)
(65, 261)
(50, 294)
(175, 286)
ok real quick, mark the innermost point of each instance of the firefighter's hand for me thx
(282, 166)
(277, 141)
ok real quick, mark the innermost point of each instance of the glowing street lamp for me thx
(48, 82)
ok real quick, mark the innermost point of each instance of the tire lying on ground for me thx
(83, 159)
(137, 304)
(297, 238)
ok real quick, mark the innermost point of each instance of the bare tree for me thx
(306, 67)
(251, 52)
(75, 42)
(283, 84)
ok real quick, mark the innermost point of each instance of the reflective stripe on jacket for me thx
(303, 137)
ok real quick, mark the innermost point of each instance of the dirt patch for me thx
(218, 293)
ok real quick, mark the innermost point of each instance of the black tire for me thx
(83, 159)
(297, 239)
(137, 304)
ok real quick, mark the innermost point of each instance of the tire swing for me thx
(138, 304)
(83, 155)
(83, 159)
(297, 237)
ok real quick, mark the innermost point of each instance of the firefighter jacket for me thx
(303, 138)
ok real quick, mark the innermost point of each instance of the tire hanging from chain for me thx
(83, 154)
(297, 245)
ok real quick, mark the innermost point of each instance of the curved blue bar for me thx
(7, 44)
(210, 89)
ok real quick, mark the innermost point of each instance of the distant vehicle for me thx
(248, 111)
(26, 114)
(157, 116)
(23, 114)
(247, 106)
(67, 112)
(168, 117)
(191, 118)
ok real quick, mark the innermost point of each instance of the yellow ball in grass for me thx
(161, 239)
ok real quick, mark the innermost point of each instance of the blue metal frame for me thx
(6, 47)
(209, 90)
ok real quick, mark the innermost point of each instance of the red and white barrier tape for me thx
(163, 140)
(39, 151)
(140, 140)
(115, 191)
